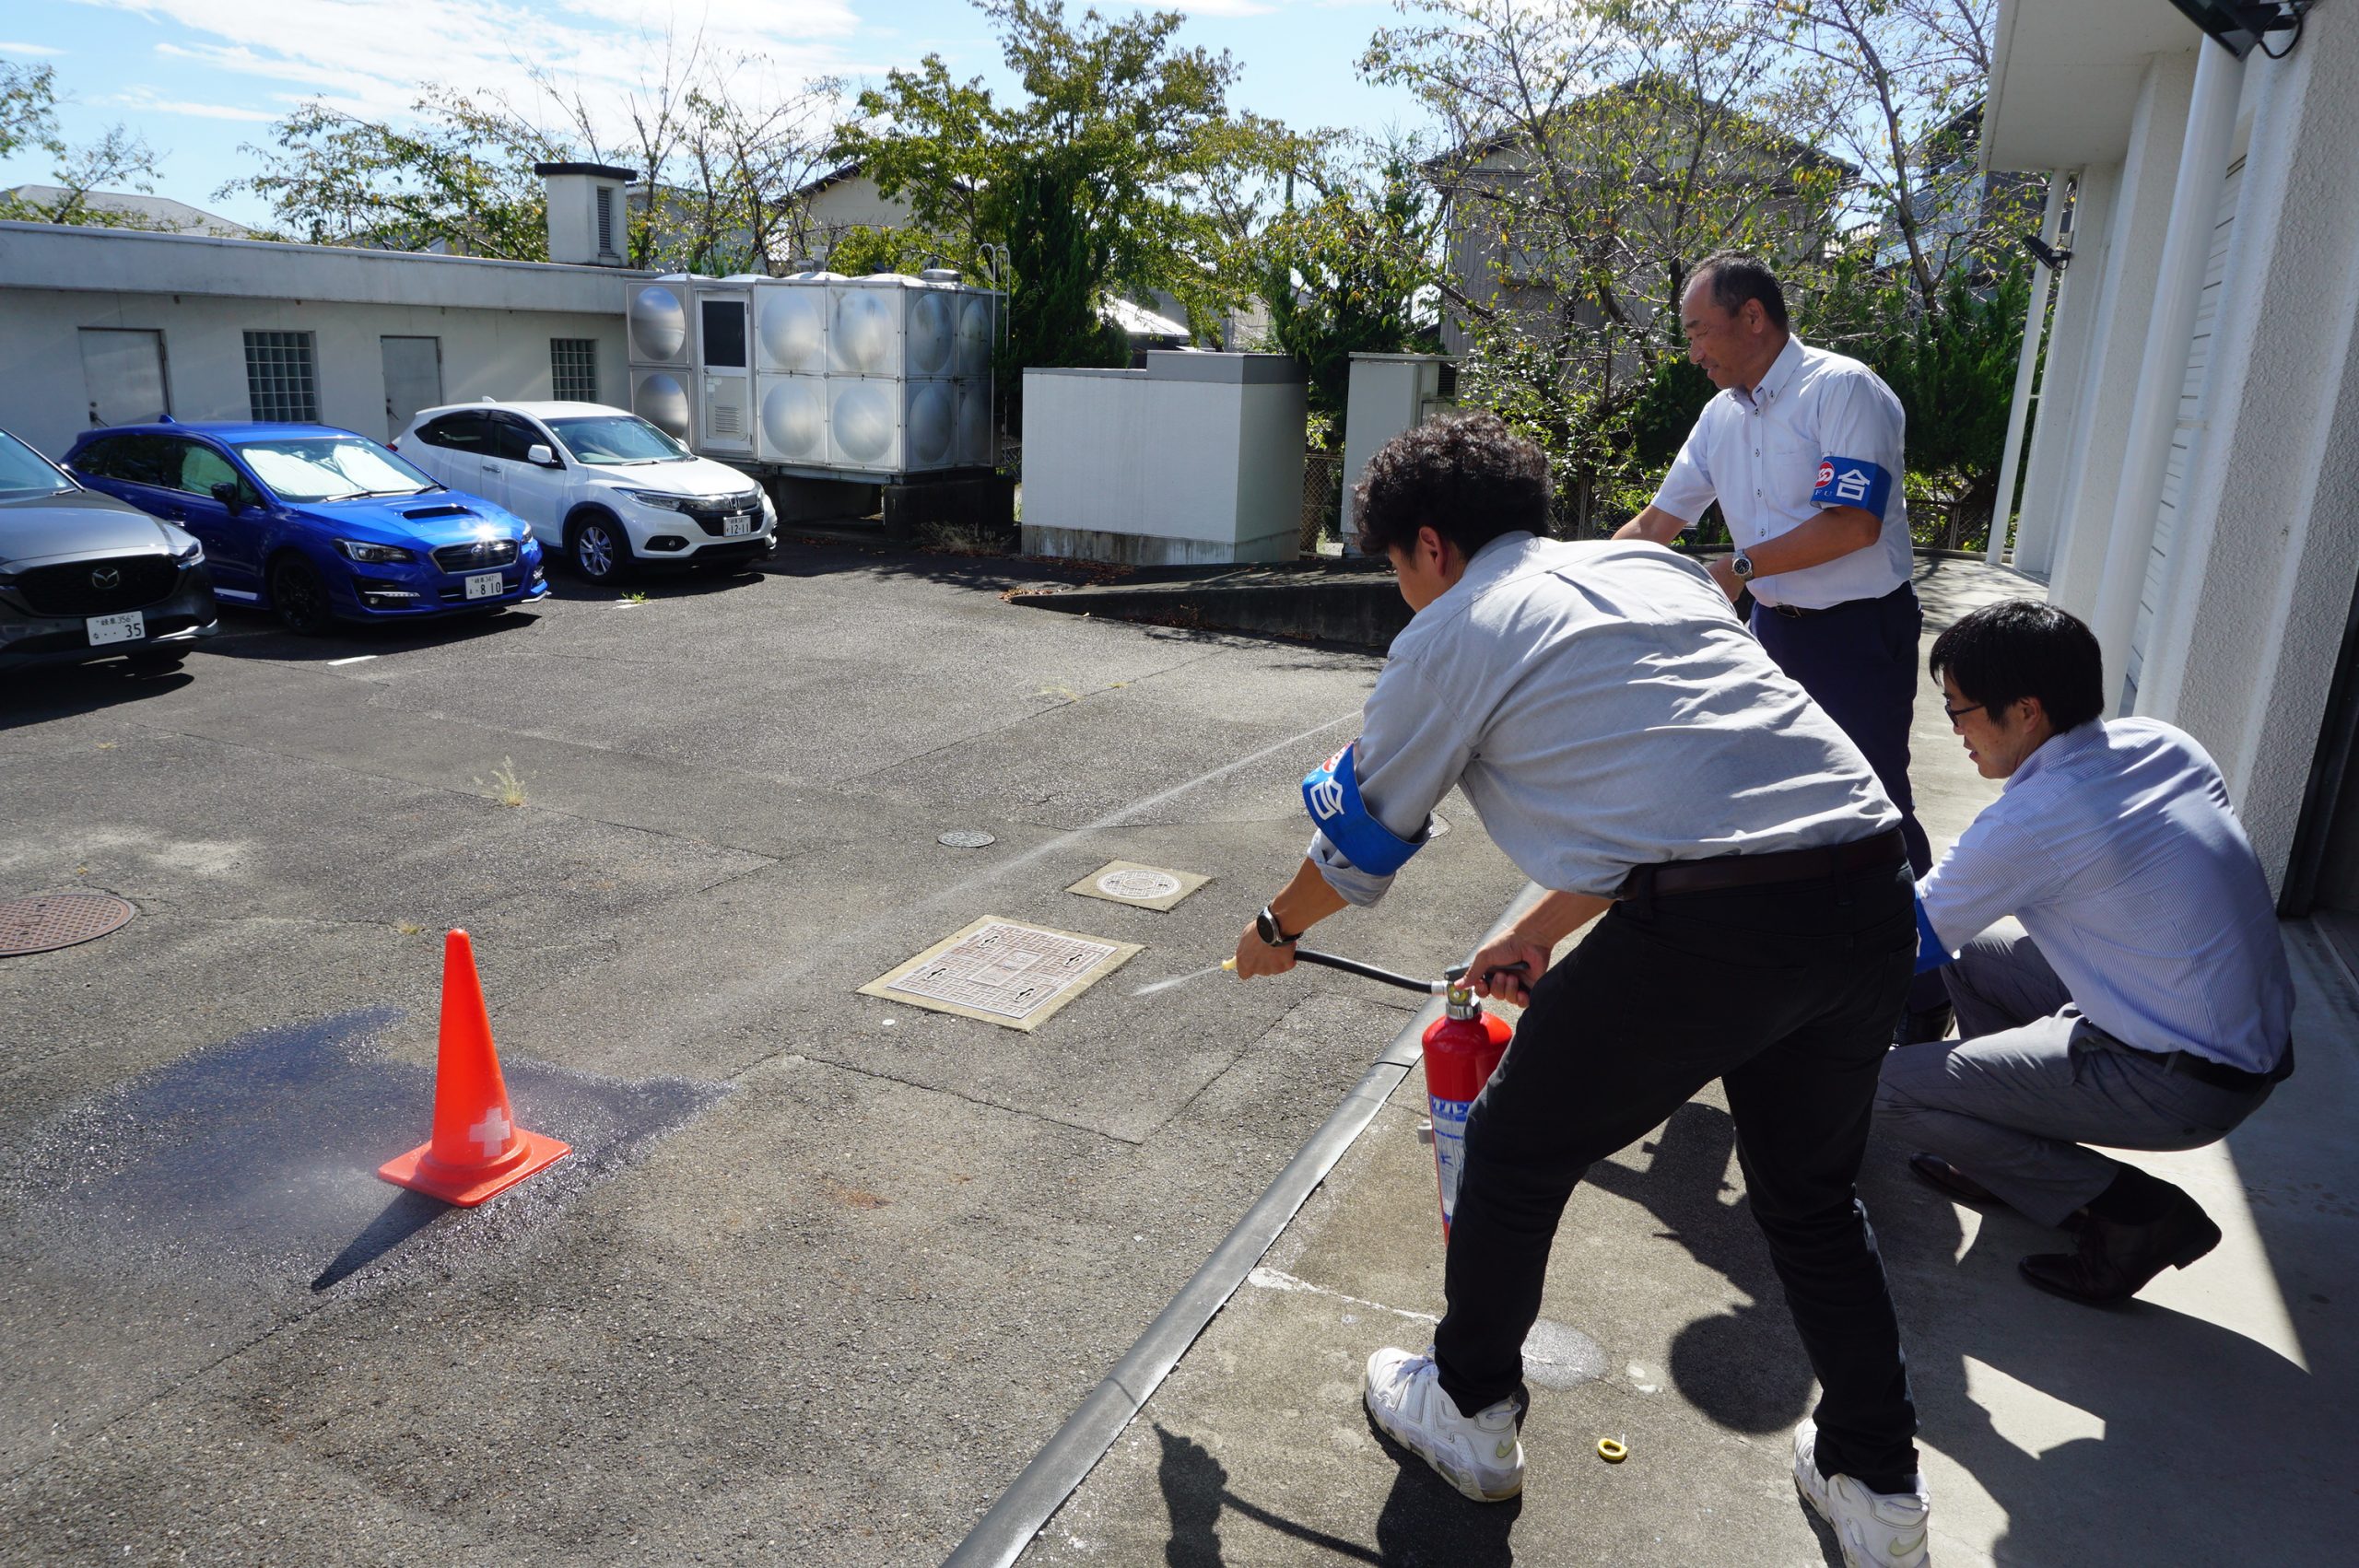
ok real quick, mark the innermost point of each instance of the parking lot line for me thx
(356, 658)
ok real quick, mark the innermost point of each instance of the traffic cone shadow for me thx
(476, 1149)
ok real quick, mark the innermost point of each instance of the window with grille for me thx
(280, 380)
(573, 370)
(606, 220)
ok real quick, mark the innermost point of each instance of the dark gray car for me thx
(83, 576)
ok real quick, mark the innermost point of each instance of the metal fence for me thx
(1322, 497)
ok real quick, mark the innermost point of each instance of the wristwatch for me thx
(1742, 565)
(1272, 934)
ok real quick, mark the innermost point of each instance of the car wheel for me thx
(300, 597)
(599, 549)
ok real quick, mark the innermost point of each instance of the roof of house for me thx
(1794, 147)
(156, 212)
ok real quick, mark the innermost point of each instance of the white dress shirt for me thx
(1604, 708)
(2115, 846)
(1820, 430)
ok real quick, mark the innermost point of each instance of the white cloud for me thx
(377, 59)
(28, 49)
(147, 100)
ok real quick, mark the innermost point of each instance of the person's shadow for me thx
(2081, 1485)
(1745, 1367)
(1423, 1521)
(2140, 1381)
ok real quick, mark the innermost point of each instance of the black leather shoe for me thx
(2116, 1260)
(1944, 1178)
(1924, 1024)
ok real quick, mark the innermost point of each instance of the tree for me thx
(1598, 150)
(721, 160)
(1345, 271)
(1897, 86)
(28, 117)
(1119, 170)
(461, 179)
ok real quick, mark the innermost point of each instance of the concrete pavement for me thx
(823, 1271)
(2210, 1423)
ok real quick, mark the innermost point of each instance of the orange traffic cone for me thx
(477, 1149)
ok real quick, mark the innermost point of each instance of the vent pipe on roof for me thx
(589, 220)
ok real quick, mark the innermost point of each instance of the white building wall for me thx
(2252, 619)
(494, 320)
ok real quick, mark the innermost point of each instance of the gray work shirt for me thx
(1604, 708)
(2115, 845)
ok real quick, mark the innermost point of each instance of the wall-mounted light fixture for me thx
(2240, 27)
(2047, 256)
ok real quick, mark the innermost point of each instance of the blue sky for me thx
(198, 77)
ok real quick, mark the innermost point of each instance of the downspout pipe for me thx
(2179, 287)
(2026, 372)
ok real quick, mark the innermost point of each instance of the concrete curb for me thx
(1066, 1459)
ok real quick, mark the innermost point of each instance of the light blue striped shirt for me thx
(2115, 845)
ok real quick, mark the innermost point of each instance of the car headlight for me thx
(192, 557)
(661, 500)
(373, 554)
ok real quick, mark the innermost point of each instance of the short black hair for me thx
(1735, 278)
(1469, 478)
(2021, 648)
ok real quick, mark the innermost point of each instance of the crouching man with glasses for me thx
(2147, 1002)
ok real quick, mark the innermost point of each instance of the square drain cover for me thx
(1003, 972)
(1146, 887)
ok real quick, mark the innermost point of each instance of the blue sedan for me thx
(317, 523)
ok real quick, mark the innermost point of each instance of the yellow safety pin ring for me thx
(1613, 1450)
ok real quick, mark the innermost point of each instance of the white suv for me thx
(600, 485)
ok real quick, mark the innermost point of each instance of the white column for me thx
(2203, 159)
(2058, 437)
(2026, 369)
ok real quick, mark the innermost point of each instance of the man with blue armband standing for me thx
(2147, 1004)
(1803, 450)
(1629, 745)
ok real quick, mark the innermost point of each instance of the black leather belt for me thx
(1672, 877)
(1803, 612)
(2219, 1074)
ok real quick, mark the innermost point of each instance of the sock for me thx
(2133, 1199)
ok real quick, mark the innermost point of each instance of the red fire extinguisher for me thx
(1462, 1049)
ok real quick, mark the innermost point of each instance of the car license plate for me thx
(736, 524)
(128, 626)
(485, 585)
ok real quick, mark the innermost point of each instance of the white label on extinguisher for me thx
(1449, 1147)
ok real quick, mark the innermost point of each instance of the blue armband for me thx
(1332, 793)
(1930, 954)
(1852, 481)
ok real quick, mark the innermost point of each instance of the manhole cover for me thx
(1003, 972)
(967, 838)
(59, 920)
(1139, 883)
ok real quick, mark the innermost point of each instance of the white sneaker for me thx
(1876, 1529)
(1480, 1454)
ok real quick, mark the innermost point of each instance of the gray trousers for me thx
(2011, 1102)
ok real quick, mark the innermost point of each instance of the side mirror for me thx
(539, 455)
(230, 495)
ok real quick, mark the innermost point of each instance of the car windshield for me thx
(331, 468)
(618, 441)
(24, 472)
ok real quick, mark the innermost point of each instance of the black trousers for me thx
(1786, 994)
(1858, 661)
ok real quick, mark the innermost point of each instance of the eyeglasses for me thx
(1957, 713)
